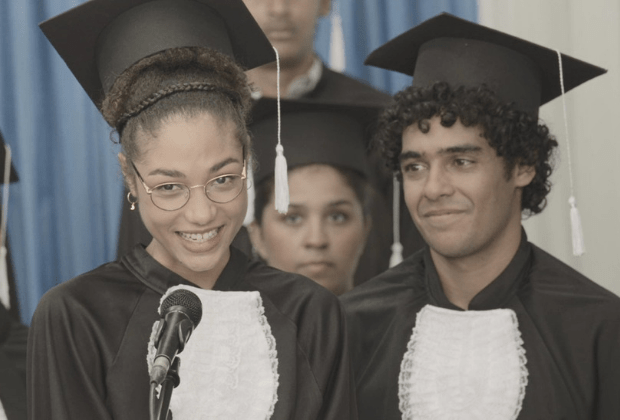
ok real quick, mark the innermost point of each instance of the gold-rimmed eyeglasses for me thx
(171, 196)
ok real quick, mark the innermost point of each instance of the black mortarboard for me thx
(313, 132)
(13, 177)
(462, 53)
(101, 38)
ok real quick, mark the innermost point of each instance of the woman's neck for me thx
(203, 279)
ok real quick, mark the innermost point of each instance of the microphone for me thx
(181, 312)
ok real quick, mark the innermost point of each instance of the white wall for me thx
(588, 30)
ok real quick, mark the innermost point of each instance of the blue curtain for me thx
(64, 212)
(368, 24)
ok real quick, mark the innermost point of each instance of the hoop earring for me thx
(133, 203)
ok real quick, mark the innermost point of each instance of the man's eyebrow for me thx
(461, 149)
(467, 148)
(409, 154)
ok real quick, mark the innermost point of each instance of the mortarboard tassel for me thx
(5, 296)
(397, 247)
(579, 247)
(337, 58)
(281, 172)
(249, 214)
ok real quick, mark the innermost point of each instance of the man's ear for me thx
(256, 238)
(128, 174)
(524, 175)
(325, 7)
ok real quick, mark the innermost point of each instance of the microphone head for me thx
(187, 300)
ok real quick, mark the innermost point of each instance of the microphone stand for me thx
(159, 408)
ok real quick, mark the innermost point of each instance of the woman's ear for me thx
(258, 242)
(128, 174)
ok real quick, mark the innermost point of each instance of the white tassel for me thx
(397, 254)
(397, 248)
(249, 214)
(579, 246)
(5, 296)
(337, 61)
(281, 170)
(281, 181)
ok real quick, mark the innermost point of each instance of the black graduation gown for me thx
(13, 338)
(570, 327)
(337, 87)
(88, 341)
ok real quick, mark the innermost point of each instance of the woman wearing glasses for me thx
(270, 345)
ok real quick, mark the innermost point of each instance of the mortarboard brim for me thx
(461, 53)
(101, 38)
(312, 133)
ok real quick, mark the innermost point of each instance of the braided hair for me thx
(169, 90)
(179, 81)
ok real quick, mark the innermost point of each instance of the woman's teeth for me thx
(199, 237)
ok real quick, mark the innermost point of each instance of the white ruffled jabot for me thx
(229, 367)
(466, 365)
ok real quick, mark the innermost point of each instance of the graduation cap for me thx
(449, 49)
(13, 175)
(314, 133)
(100, 39)
(461, 53)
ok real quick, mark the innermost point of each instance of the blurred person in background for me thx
(324, 232)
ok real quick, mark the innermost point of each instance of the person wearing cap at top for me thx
(481, 324)
(290, 27)
(167, 76)
(324, 232)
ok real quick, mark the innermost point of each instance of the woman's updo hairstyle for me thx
(178, 81)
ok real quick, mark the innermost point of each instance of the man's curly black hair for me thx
(515, 135)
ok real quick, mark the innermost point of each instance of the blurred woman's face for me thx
(323, 234)
(194, 240)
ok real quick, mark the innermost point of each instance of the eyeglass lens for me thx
(173, 196)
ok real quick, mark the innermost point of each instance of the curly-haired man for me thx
(481, 324)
